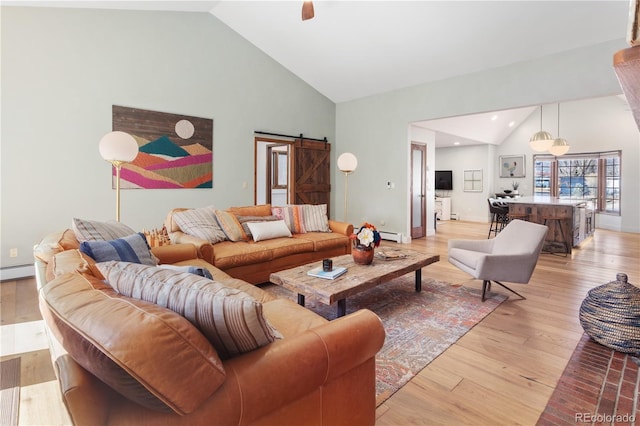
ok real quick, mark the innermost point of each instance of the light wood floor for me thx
(505, 369)
(502, 372)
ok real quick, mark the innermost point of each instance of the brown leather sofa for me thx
(319, 373)
(255, 261)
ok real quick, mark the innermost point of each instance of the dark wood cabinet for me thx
(570, 222)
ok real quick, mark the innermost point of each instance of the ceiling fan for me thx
(307, 10)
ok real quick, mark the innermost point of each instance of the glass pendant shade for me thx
(560, 147)
(541, 141)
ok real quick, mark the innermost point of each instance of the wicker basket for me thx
(610, 315)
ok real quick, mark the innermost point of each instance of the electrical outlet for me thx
(13, 252)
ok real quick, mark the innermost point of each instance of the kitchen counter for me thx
(546, 200)
(569, 220)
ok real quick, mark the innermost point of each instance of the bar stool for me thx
(499, 216)
(558, 223)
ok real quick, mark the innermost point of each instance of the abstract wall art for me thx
(176, 151)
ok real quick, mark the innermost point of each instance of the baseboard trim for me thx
(16, 272)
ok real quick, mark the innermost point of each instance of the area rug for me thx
(9, 391)
(418, 326)
(598, 386)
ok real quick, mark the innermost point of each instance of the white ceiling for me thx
(354, 49)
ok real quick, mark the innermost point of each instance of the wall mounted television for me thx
(444, 180)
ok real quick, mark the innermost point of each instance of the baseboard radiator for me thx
(391, 236)
(17, 272)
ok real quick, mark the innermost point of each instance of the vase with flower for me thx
(364, 240)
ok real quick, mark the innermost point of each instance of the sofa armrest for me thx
(87, 399)
(484, 246)
(290, 369)
(204, 248)
(341, 227)
(173, 253)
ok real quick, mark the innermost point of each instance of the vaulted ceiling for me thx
(355, 49)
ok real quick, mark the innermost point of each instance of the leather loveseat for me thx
(318, 372)
(255, 261)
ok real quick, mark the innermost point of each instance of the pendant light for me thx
(541, 141)
(560, 146)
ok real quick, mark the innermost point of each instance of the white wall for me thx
(470, 206)
(63, 69)
(375, 128)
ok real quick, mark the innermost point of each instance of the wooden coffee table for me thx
(358, 278)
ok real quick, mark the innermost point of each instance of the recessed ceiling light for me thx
(511, 123)
(456, 143)
(494, 118)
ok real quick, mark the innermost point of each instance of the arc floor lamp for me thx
(118, 148)
(347, 163)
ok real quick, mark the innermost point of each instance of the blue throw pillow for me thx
(133, 248)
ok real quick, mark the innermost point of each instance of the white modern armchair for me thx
(510, 256)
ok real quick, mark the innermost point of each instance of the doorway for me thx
(272, 171)
(418, 190)
(292, 172)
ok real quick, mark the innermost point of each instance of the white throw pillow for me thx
(268, 230)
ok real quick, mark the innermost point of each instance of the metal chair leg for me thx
(486, 286)
(512, 291)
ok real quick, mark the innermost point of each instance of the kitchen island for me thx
(570, 221)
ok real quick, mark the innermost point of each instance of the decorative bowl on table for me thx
(507, 191)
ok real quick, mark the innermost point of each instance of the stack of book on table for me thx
(329, 275)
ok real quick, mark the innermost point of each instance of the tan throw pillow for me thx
(315, 218)
(145, 352)
(230, 226)
(93, 230)
(200, 223)
(231, 319)
(245, 219)
(268, 230)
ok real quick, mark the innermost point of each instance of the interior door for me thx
(277, 179)
(418, 190)
(311, 170)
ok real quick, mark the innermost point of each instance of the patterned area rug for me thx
(419, 326)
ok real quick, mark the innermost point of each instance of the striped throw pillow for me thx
(93, 230)
(230, 226)
(293, 216)
(200, 223)
(315, 218)
(133, 248)
(230, 319)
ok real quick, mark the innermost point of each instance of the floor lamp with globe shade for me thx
(347, 163)
(118, 148)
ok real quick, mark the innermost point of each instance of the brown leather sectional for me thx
(254, 262)
(320, 372)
